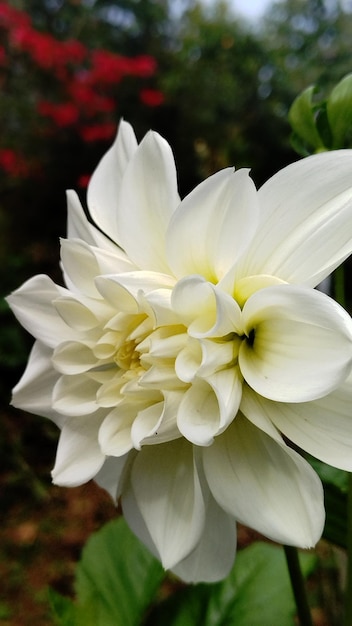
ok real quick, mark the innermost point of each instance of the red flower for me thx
(63, 115)
(151, 97)
(143, 65)
(83, 181)
(98, 132)
(13, 163)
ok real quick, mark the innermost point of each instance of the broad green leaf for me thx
(256, 593)
(339, 110)
(303, 121)
(117, 577)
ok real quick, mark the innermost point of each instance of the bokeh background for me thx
(218, 87)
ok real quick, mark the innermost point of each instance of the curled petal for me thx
(115, 431)
(157, 423)
(265, 485)
(75, 395)
(73, 357)
(128, 288)
(208, 407)
(208, 311)
(299, 344)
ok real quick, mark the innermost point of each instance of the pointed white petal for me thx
(32, 305)
(305, 228)
(78, 457)
(78, 226)
(147, 200)
(82, 263)
(213, 558)
(104, 188)
(168, 493)
(265, 485)
(33, 392)
(302, 345)
(322, 427)
(215, 223)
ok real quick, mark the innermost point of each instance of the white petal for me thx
(32, 305)
(167, 489)
(82, 263)
(33, 392)
(201, 416)
(148, 198)
(213, 225)
(115, 431)
(208, 311)
(77, 315)
(110, 475)
(305, 228)
(157, 423)
(213, 558)
(322, 427)
(127, 288)
(265, 485)
(79, 457)
(302, 346)
(227, 385)
(159, 302)
(73, 357)
(75, 395)
(105, 185)
(78, 227)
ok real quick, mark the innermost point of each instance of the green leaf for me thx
(117, 577)
(63, 609)
(339, 111)
(302, 118)
(256, 593)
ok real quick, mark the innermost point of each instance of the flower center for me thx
(127, 357)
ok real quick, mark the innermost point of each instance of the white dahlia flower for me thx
(189, 346)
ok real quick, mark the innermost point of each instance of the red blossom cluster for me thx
(13, 163)
(83, 92)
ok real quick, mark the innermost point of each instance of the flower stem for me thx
(340, 296)
(348, 590)
(298, 586)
